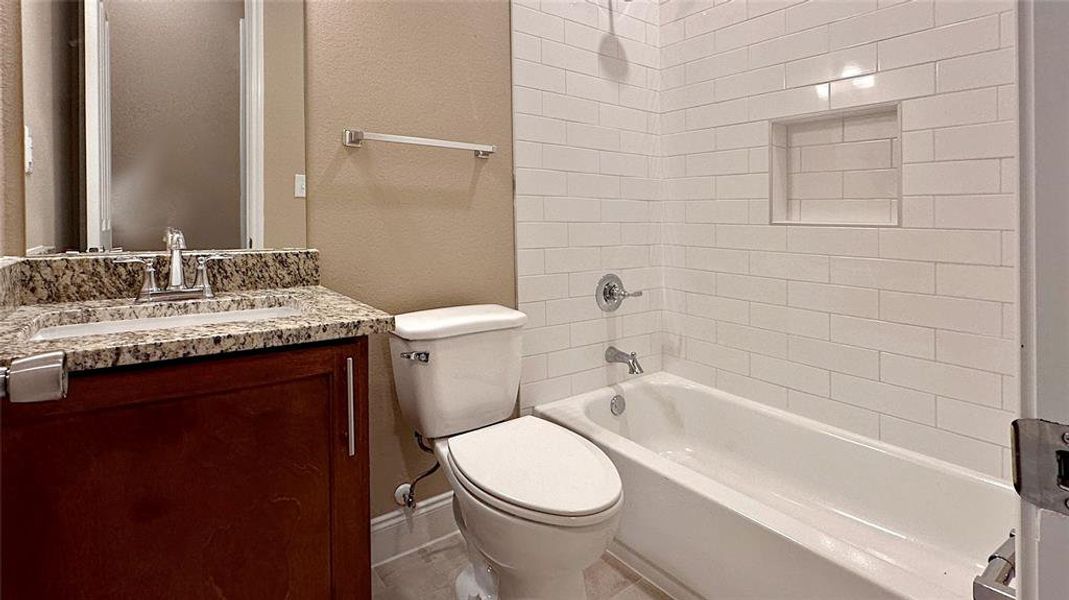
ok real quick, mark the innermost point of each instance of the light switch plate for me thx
(300, 188)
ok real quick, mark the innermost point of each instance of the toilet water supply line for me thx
(406, 492)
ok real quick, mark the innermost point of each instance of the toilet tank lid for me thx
(456, 320)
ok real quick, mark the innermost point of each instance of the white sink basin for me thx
(149, 323)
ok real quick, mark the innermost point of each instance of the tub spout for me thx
(615, 355)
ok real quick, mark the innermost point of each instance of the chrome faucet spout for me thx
(176, 243)
(176, 283)
(615, 355)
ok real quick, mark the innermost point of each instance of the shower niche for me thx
(840, 168)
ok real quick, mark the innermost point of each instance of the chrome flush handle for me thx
(418, 356)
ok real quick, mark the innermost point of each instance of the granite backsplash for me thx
(9, 284)
(83, 277)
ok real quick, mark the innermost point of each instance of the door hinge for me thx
(1041, 463)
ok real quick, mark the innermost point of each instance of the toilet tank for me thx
(457, 368)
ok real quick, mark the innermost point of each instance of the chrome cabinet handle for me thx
(418, 356)
(352, 408)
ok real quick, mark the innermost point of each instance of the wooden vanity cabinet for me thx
(224, 477)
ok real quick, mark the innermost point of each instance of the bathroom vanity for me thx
(223, 459)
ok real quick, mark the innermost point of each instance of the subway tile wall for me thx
(585, 79)
(642, 134)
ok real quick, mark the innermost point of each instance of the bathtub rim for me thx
(623, 388)
(571, 413)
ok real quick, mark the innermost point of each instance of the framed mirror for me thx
(145, 115)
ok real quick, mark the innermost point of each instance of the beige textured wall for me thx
(284, 215)
(408, 228)
(12, 214)
(47, 63)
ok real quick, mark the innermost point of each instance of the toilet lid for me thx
(532, 463)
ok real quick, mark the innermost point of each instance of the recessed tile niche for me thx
(837, 169)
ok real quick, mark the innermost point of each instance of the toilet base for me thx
(477, 581)
(468, 587)
(570, 586)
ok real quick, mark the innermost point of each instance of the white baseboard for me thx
(402, 531)
(663, 581)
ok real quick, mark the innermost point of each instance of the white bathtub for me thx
(729, 498)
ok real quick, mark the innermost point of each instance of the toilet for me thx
(535, 502)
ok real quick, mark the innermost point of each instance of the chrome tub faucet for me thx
(615, 355)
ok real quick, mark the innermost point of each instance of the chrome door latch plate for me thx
(38, 378)
(1041, 463)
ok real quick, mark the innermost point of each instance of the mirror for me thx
(145, 115)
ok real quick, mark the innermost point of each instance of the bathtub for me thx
(729, 498)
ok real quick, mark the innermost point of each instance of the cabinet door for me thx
(227, 477)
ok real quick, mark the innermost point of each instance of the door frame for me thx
(1044, 257)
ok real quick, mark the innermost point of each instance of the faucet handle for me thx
(202, 281)
(610, 293)
(120, 260)
(148, 276)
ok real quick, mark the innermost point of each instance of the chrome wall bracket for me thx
(39, 378)
(1041, 463)
(994, 582)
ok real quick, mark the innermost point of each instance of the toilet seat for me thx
(537, 470)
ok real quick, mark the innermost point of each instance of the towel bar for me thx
(354, 138)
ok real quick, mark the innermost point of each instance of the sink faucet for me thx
(176, 286)
(176, 243)
(615, 355)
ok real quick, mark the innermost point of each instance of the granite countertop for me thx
(36, 293)
(323, 315)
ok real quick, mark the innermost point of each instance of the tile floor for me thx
(428, 574)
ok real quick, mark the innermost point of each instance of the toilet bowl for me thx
(522, 530)
(535, 502)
